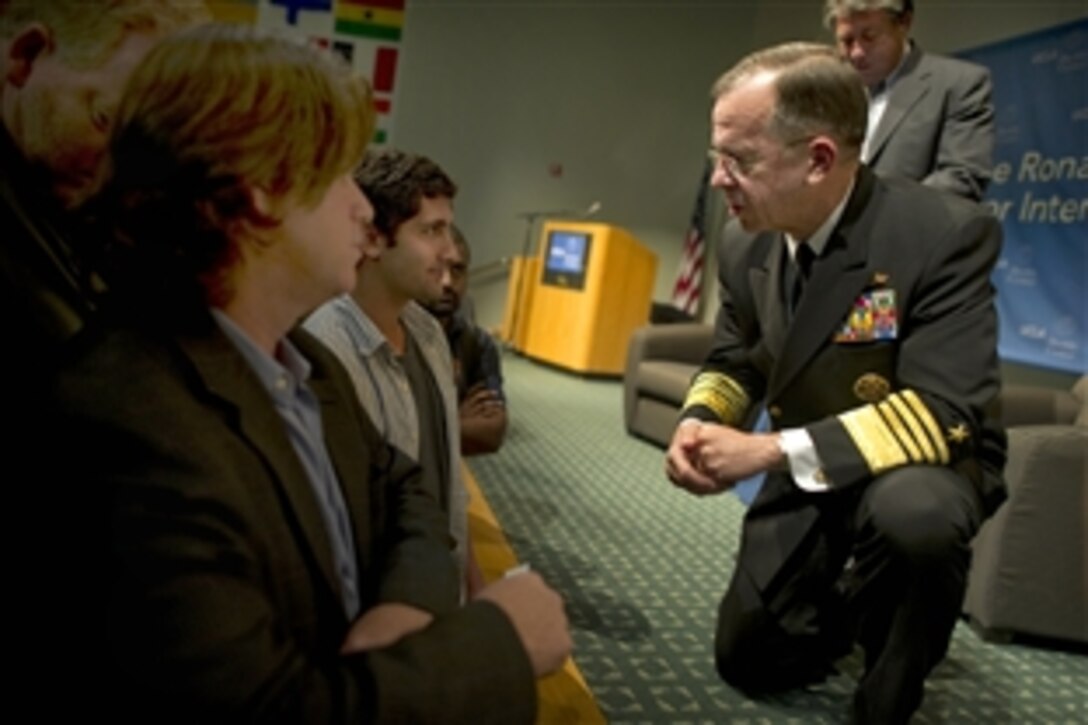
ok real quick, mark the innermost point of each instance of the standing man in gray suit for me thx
(931, 118)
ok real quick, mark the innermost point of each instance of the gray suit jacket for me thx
(221, 601)
(938, 127)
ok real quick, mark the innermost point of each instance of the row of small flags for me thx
(378, 19)
(382, 76)
(363, 26)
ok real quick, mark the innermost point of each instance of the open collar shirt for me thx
(284, 377)
(383, 388)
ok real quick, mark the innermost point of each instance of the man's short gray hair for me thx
(834, 9)
(817, 92)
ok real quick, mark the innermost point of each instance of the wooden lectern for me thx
(591, 287)
(519, 298)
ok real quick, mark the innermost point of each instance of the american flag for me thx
(689, 277)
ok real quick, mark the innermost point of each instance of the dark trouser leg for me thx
(752, 652)
(913, 529)
(787, 637)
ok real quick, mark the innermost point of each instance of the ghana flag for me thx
(381, 19)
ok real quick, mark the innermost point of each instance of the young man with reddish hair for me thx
(260, 553)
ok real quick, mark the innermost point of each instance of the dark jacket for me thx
(914, 392)
(220, 601)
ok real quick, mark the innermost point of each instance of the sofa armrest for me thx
(687, 342)
(1029, 573)
(1035, 405)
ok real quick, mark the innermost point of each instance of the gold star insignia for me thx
(958, 433)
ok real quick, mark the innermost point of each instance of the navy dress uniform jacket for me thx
(909, 384)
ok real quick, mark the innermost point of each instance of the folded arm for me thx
(216, 609)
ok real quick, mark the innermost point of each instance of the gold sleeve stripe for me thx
(903, 429)
(930, 424)
(874, 439)
(721, 394)
(925, 451)
(897, 431)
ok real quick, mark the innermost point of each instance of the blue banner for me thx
(1040, 193)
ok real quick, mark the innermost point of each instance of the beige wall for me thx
(616, 92)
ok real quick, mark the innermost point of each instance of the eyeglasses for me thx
(731, 164)
(741, 166)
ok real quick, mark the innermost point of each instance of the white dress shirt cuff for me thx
(805, 466)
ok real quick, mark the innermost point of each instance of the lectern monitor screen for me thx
(566, 259)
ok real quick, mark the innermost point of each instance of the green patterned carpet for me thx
(642, 567)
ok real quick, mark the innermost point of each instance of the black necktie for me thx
(797, 271)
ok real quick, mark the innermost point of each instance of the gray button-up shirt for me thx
(384, 391)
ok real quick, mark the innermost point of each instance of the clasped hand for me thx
(482, 402)
(707, 458)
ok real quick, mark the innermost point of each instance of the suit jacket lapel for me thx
(766, 284)
(838, 276)
(344, 442)
(911, 86)
(227, 375)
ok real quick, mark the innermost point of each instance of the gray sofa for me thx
(1029, 575)
(661, 360)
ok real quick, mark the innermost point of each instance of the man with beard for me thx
(64, 66)
(394, 350)
(476, 366)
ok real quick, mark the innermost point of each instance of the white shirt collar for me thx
(818, 239)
